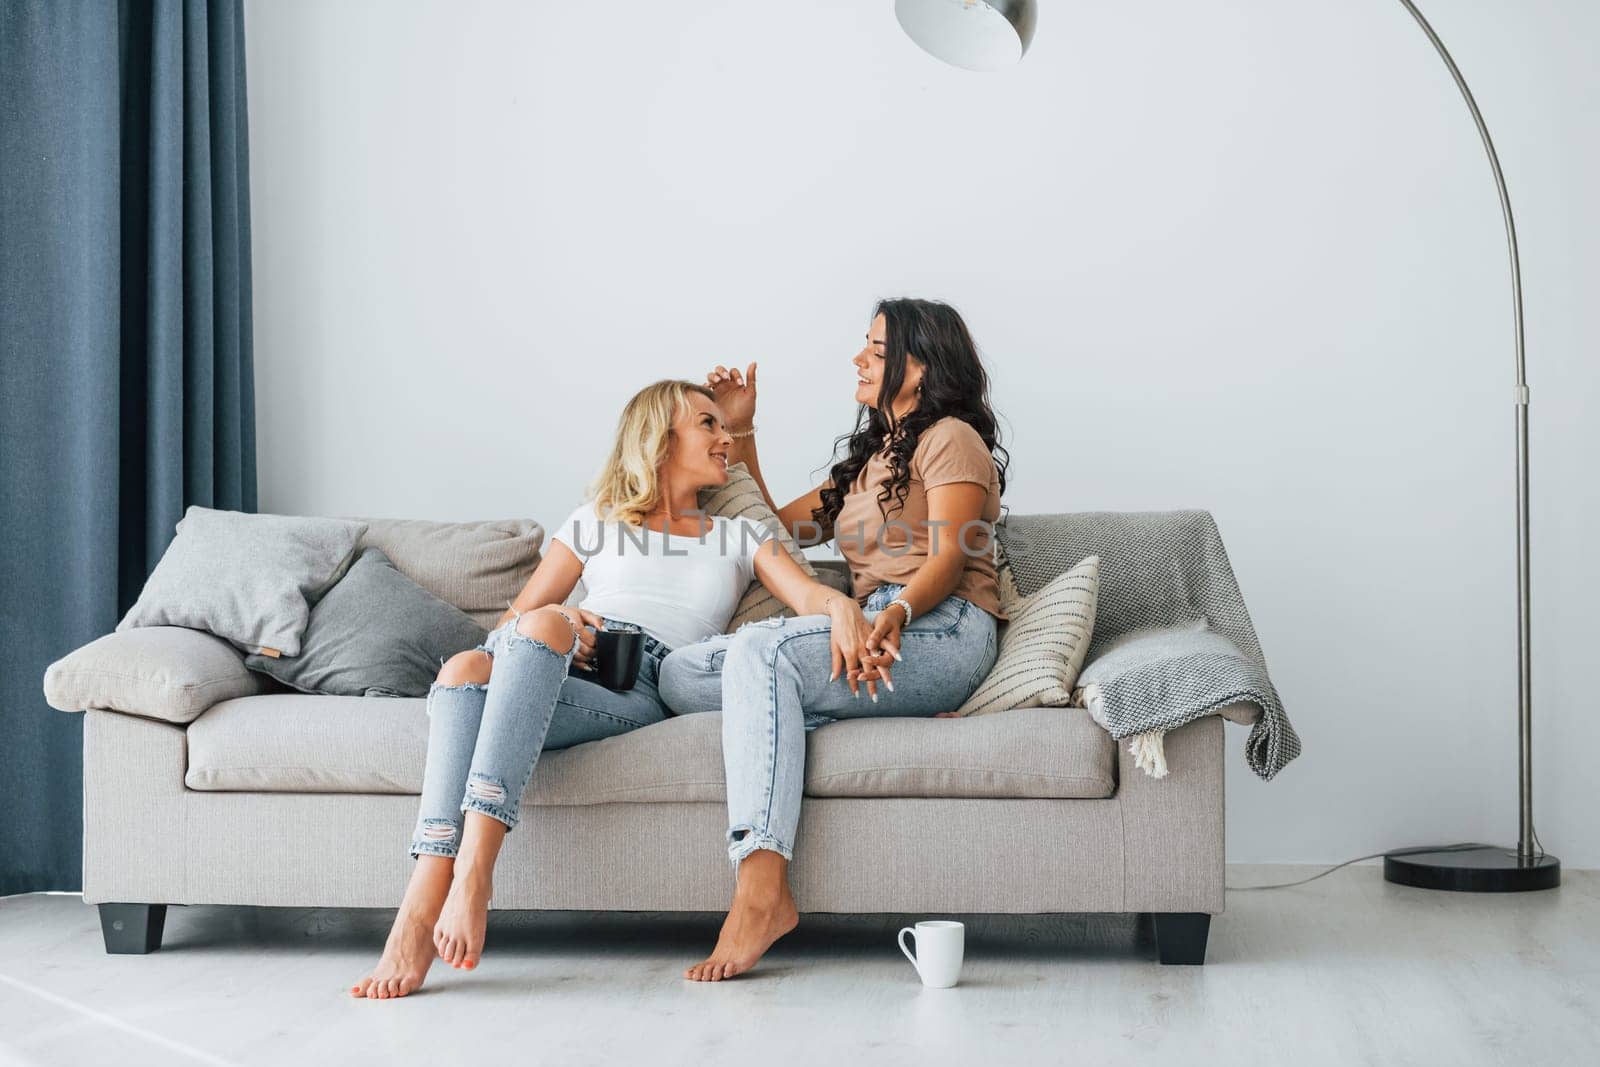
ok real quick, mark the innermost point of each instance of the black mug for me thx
(618, 653)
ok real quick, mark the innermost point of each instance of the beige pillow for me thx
(741, 498)
(1043, 644)
(476, 566)
(160, 672)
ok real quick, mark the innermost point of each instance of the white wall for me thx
(1241, 254)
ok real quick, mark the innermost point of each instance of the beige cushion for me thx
(477, 566)
(741, 498)
(300, 743)
(296, 743)
(1036, 752)
(1043, 644)
(161, 672)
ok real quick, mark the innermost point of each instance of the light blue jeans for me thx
(484, 740)
(770, 681)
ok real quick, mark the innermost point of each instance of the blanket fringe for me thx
(1147, 749)
(1148, 752)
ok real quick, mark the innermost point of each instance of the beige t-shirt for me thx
(881, 552)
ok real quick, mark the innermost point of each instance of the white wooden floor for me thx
(1344, 970)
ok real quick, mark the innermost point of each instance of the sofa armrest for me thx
(1173, 845)
(160, 672)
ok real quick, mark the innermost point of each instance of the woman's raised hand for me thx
(736, 394)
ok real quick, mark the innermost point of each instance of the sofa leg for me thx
(132, 928)
(1181, 936)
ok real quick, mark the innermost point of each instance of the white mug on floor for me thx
(940, 947)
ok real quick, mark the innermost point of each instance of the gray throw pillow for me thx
(376, 633)
(249, 579)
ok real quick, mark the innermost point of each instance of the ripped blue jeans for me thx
(770, 681)
(484, 740)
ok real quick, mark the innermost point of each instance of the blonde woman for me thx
(647, 557)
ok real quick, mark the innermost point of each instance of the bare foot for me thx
(754, 922)
(406, 958)
(459, 933)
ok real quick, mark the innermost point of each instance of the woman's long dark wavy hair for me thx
(953, 383)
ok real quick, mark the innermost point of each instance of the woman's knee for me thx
(547, 626)
(466, 668)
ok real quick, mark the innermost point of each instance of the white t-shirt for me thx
(677, 588)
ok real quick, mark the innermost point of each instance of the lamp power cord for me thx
(1460, 846)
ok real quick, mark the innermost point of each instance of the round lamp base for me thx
(1482, 869)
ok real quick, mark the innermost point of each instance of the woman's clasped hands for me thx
(863, 651)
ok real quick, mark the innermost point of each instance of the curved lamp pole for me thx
(991, 34)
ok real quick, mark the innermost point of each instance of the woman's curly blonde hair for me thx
(629, 484)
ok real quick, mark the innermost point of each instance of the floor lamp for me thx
(991, 34)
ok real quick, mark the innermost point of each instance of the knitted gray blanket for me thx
(1171, 626)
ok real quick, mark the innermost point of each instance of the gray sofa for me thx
(208, 784)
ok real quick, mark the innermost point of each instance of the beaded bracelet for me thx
(903, 607)
(743, 433)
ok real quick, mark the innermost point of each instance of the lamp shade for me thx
(971, 34)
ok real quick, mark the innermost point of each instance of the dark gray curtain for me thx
(126, 389)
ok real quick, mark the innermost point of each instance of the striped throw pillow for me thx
(1043, 644)
(740, 498)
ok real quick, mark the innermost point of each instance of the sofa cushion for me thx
(299, 743)
(296, 743)
(477, 566)
(1027, 752)
(161, 672)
